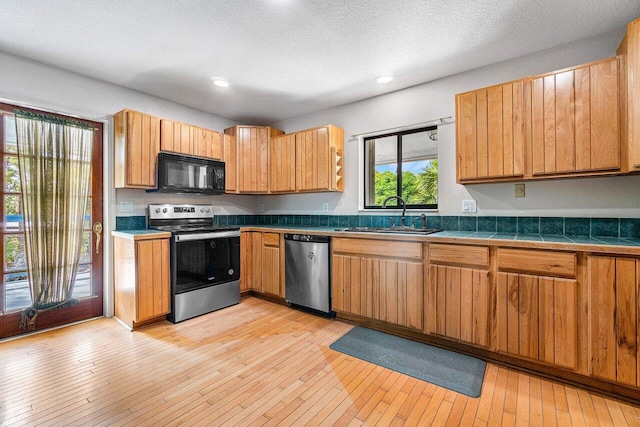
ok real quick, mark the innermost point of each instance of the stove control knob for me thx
(157, 210)
(165, 210)
(201, 210)
(208, 210)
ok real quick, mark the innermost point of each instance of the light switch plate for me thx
(325, 207)
(469, 206)
(126, 207)
(261, 207)
(519, 188)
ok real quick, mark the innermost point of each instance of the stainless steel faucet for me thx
(404, 207)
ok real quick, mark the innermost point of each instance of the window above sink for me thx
(403, 164)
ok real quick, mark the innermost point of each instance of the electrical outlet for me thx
(519, 188)
(261, 207)
(325, 207)
(126, 207)
(469, 206)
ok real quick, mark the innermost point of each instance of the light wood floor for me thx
(257, 363)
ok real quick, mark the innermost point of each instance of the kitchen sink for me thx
(390, 230)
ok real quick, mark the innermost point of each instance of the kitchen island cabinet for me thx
(141, 277)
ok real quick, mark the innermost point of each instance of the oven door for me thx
(206, 262)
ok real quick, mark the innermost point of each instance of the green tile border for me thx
(548, 226)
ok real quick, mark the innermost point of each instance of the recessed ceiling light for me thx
(220, 83)
(384, 79)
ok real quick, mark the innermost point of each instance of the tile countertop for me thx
(630, 246)
(142, 234)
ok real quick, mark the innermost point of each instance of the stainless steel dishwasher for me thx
(307, 271)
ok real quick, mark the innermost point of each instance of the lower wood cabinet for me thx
(379, 280)
(260, 263)
(460, 298)
(142, 278)
(271, 283)
(536, 311)
(614, 316)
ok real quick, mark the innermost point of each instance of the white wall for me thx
(592, 197)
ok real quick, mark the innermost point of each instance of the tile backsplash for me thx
(590, 227)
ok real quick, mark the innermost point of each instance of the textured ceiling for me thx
(284, 58)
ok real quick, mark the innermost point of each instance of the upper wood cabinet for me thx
(282, 164)
(137, 143)
(182, 138)
(554, 125)
(318, 162)
(575, 116)
(252, 156)
(630, 51)
(230, 163)
(490, 129)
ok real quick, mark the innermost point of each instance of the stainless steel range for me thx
(205, 259)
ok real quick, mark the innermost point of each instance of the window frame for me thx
(365, 178)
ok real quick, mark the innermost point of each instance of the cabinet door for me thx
(462, 309)
(251, 261)
(537, 318)
(576, 120)
(312, 160)
(282, 159)
(632, 67)
(614, 312)
(230, 163)
(490, 133)
(214, 146)
(139, 135)
(252, 154)
(271, 264)
(379, 287)
(177, 137)
(153, 281)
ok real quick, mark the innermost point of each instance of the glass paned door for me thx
(14, 285)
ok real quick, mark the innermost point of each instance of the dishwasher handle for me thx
(307, 238)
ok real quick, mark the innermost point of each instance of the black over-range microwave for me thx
(188, 174)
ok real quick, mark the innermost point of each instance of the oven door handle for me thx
(204, 236)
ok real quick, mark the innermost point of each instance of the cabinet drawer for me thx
(271, 239)
(378, 248)
(546, 263)
(459, 255)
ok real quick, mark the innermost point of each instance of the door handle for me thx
(97, 228)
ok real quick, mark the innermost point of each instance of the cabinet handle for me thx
(97, 228)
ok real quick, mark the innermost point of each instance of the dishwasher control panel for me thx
(307, 238)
